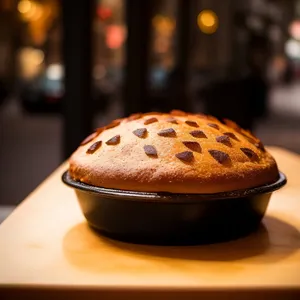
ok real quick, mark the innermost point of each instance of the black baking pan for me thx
(173, 219)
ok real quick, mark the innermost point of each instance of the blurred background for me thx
(67, 67)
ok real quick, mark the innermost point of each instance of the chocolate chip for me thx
(114, 140)
(250, 153)
(224, 139)
(212, 118)
(231, 135)
(94, 147)
(198, 134)
(232, 124)
(219, 156)
(250, 139)
(186, 156)
(89, 138)
(194, 146)
(150, 150)
(113, 124)
(202, 116)
(192, 123)
(176, 112)
(260, 146)
(171, 120)
(149, 121)
(134, 117)
(101, 129)
(140, 132)
(213, 125)
(170, 132)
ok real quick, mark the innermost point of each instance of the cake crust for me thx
(173, 152)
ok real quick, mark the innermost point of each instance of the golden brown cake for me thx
(176, 152)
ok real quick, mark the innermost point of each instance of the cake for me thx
(174, 152)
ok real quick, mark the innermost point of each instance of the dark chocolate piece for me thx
(213, 125)
(134, 117)
(194, 146)
(198, 134)
(260, 146)
(177, 112)
(100, 130)
(113, 124)
(140, 132)
(169, 132)
(201, 116)
(150, 150)
(219, 156)
(114, 140)
(250, 153)
(250, 139)
(212, 118)
(232, 124)
(172, 120)
(186, 156)
(231, 135)
(94, 147)
(224, 139)
(249, 136)
(151, 120)
(192, 123)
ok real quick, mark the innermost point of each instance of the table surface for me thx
(46, 243)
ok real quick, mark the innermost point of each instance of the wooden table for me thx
(47, 250)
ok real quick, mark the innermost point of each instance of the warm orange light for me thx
(39, 16)
(24, 6)
(30, 61)
(163, 24)
(27, 10)
(207, 21)
(38, 13)
(115, 36)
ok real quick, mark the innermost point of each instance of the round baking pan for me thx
(173, 219)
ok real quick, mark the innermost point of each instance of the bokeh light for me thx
(294, 29)
(24, 6)
(207, 21)
(163, 24)
(30, 61)
(292, 49)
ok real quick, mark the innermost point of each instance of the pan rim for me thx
(172, 197)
